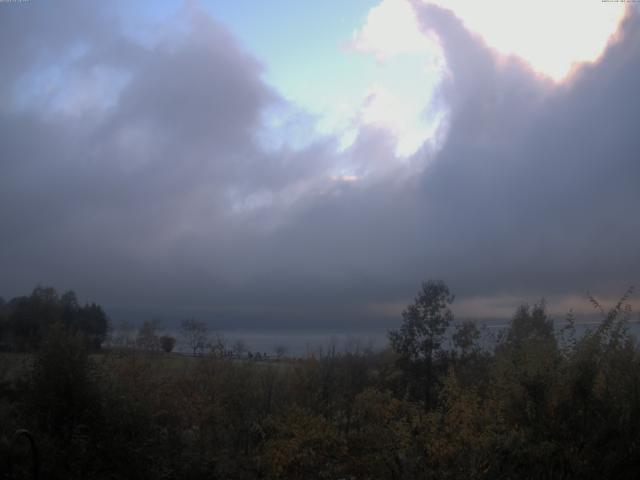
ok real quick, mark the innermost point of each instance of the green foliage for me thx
(465, 339)
(424, 324)
(419, 340)
(529, 325)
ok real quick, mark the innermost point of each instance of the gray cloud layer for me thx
(163, 193)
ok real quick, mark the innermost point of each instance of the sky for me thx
(297, 165)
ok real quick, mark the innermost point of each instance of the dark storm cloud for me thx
(159, 192)
(132, 202)
(537, 185)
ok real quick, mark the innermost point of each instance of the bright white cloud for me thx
(397, 105)
(552, 36)
(391, 29)
(400, 105)
(399, 114)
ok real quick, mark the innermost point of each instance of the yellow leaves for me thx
(301, 443)
(461, 430)
(383, 421)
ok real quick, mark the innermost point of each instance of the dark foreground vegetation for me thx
(540, 403)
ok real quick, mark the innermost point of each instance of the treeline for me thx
(196, 338)
(25, 321)
(541, 403)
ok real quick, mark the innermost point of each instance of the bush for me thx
(167, 343)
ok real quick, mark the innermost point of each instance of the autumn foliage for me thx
(539, 402)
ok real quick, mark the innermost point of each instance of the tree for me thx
(526, 368)
(63, 391)
(32, 316)
(93, 323)
(123, 334)
(468, 357)
(280, 351)
(147, 338)
(529, 325)
(218, 345)
(382, 436)
(418, 341)
(195, 334)
(167, 343)
(4, 324)
(239, 348)
(303, 445)
(465, 338)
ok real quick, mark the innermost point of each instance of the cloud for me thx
(542, 179)
(409, 64)
(516, 29)
(158, 192)
(391, 29)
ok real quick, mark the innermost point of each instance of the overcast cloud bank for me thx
(144, 172)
